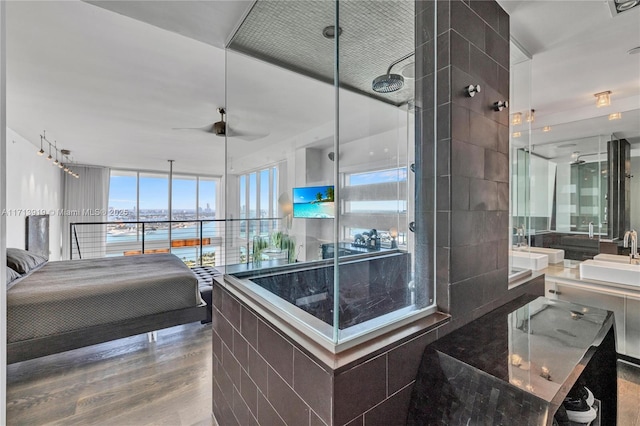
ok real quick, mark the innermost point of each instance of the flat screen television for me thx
(313, 202)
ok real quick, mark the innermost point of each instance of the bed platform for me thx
(42, 346)
(64, 305)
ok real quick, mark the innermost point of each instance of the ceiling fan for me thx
(219, 128)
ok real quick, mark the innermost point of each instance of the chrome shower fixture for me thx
(388, 82)
(500, 105)
(472, 90)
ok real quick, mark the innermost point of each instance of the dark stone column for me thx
(468, 159)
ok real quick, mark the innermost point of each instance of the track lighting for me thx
(65, 155)
(41, 152)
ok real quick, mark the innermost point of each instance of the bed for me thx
(62, 305)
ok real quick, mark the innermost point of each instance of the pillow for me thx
(23, 261)
(11, 275)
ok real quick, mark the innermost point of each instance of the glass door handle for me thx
(591, 230)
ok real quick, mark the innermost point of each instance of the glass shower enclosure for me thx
(321, 179)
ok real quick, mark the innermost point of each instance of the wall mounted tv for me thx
(313, 202)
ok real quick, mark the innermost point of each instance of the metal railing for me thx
(204, 242)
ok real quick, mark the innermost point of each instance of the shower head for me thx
(388, 83)
(576, 162)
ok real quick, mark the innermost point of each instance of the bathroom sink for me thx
(554, 255)
(526, 260)
(611, 258)
(622, 273)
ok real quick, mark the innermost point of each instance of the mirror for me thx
(574, 176)
(582, 184)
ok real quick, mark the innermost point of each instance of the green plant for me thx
(276, 239)
(259, 245)
(289, 244)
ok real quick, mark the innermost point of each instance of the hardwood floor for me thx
(132, 382)
(124, 382)
(628, 394)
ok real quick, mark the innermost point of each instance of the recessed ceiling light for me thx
(516, 119)
(546, 129)
(516, 134)
(634, 51)
(603, 98)
(531, 115)
(626, 5)
(330, 32)
(615, 116)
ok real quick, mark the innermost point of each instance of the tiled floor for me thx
(628, 394)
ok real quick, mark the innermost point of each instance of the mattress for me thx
(70, 295)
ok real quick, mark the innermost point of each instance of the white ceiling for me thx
(111, 87)
(578, 49)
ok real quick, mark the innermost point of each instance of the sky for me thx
(154, 193)
(308, 194)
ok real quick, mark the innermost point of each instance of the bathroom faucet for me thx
(522, 241)
(631, 239)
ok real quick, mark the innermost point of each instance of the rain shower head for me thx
(388, 82)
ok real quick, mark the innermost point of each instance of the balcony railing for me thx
(208, 242)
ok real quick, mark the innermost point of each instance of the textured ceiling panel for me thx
(374, 35)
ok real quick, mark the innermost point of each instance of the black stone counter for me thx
(515, 365)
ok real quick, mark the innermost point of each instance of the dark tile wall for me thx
(473, 162)
(253, 386)
(262, 378)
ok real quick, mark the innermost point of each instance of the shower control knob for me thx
(472, 90)
(500, 105)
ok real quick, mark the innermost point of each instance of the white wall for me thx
(32, 183)
(3, 227)
(635, 193)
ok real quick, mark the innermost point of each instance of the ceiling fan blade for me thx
(208, 128)
(245, 135)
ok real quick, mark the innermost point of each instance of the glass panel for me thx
(154, 197)
(123, 196)
(521, 186)
(375, 138)
(207, 198)
(183, 198)
(340, 170)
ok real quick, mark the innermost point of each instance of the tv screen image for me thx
(314, 202)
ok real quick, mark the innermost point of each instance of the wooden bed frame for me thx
(35, 348)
